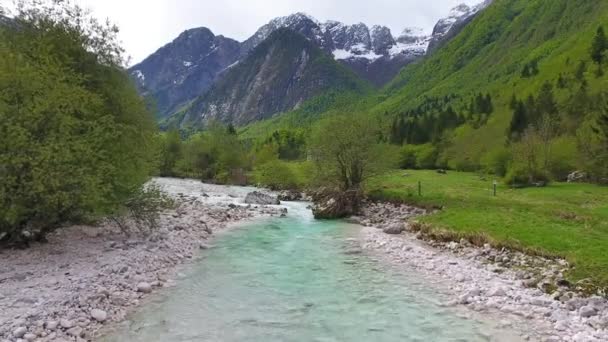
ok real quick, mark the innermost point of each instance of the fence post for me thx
(419, 188)
(495, 184)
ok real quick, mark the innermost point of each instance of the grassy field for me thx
(569, 220)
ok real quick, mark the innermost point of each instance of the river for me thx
(298, 279)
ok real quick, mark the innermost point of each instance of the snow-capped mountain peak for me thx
(293, 19)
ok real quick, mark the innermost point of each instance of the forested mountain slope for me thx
(536, 52)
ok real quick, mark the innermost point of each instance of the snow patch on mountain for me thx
(139, 75)
(458, 14)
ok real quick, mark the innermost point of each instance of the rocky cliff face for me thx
(278, 75)
(197, 61)
(374, 54)
(185, 68)
(448, 28)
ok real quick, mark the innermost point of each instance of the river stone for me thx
(65, 323)
(52, 325)
(144, 287)
(460, 278)
(99, 315)
(30, 337)
(394, 229)
(20, 332)
(75, 331)
(257, 197)
(587, 311)
(290, 196)
(497, 292)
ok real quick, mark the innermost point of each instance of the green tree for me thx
(213, 155)
(346, 152)
(76, 140)
(519, 121)
(599, 46)
(581, 69)
(546, 103)
(170, 153)
(600, 162)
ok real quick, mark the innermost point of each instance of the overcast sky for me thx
(146, 25)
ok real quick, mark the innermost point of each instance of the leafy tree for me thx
(526, 168)
(519, 122)
(561, 82)
(230, 129)
(525, 73)
(76, 140)
(213, 155)
(581, 69)
(601, 158)
(599, 46)
(545, 102)
(346, 152)
(514, 102)
(276, 175)
(170, 152)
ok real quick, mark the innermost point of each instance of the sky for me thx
(146, 25)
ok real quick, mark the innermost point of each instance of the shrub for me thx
(143, 209)
(519, 176)
(564, 157)
(418, 157)
(497, 161)
(426, 156)
(407, 157)
(275, 175)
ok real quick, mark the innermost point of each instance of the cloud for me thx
(146, 25)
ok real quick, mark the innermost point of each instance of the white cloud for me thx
(147, 25)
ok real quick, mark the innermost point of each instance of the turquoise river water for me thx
(297, 279)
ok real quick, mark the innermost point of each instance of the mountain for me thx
(188, 67)
(278, 75)
(374, 54)
(527, 49)
(449, 27)
(185, 68)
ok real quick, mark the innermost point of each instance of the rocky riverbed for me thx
(88, 277)
(503, 283)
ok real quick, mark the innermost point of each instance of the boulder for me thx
(336, 205)
(576, 176)
(394, 229)
(290, 196)
(260, 198)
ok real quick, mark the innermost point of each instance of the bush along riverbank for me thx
(528, 291)
(88, 277)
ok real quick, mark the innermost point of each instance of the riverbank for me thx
(569, 220)
(508, 284)
(88, 277)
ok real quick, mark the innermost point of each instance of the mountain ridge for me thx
(187, 68)
(279, 75)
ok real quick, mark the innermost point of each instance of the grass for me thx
(568, 220)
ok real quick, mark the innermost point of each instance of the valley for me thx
(313, 179)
